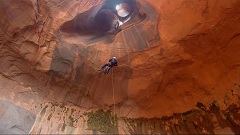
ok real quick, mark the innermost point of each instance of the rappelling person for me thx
(106, 67)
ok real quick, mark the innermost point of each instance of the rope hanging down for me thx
(113, 96)
(113, 100)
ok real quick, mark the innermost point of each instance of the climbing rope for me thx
(113, 97)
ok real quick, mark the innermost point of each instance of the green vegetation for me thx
(102, 121)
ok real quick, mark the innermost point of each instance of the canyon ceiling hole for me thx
(123, 9)
(113, 15)
(103, 21)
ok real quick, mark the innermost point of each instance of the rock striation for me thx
(178, 68)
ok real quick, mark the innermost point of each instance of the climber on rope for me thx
(106, 67)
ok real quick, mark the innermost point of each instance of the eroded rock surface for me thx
(183, 53)
(15, 119)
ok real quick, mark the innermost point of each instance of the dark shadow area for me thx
(14, 119)
(108, 18)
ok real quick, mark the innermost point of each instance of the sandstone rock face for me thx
(181, 53)
(14, 119)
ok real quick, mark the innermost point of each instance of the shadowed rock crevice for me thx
(104, 18)
(103, 22)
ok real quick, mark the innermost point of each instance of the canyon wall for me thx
(178, 68)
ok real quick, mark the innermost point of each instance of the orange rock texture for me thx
(172, 56)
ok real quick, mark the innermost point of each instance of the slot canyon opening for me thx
(108, 18)
(107, 21)
(123, 9)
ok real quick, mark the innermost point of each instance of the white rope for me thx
(113, 96)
